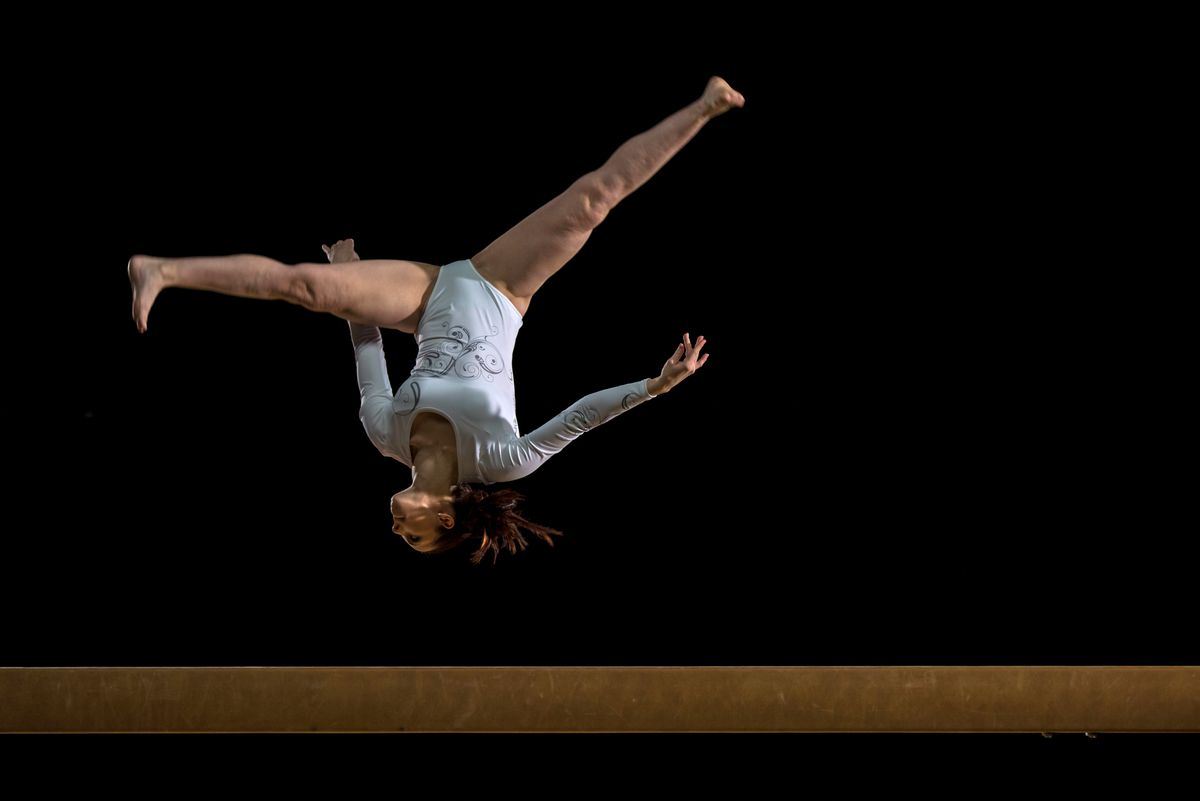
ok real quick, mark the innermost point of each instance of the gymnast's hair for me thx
(490, 519)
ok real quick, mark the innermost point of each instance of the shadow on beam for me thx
(601, 699)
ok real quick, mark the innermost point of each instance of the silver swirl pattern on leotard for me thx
(581, 418)
(458, 353)
(408, 397)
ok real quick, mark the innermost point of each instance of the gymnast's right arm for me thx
(520, 457)
(375, 390)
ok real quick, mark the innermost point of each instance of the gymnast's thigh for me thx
(389, 293)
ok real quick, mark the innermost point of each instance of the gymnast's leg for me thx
(380, 292)
(521, 260)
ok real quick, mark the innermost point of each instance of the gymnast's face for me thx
(421, 517)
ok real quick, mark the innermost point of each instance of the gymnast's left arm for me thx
(375, 389)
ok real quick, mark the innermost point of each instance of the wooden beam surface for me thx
(600, 699)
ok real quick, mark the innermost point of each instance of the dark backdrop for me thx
(926, 433)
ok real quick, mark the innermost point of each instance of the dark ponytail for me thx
(491, 519)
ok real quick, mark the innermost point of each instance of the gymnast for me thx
(453, 420)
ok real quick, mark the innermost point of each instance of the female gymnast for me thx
(453, 421)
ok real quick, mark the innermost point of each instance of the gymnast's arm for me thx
(522, 456)
(375, 390)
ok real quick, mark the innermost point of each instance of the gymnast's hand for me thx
(342, 251)
(685, 361)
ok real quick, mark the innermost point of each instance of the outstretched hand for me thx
(342, 251)
(685, 361)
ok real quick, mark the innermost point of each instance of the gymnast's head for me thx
(421, 518)
(485, 520)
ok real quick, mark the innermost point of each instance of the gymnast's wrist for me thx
(656, 386)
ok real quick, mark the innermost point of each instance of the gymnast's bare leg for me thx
(387, 293)
(521, 260)
(391, 293)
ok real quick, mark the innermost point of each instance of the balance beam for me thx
(1044, 699)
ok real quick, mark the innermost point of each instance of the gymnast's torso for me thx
(463, 371)
(464, 374)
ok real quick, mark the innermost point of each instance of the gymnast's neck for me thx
(434, 469)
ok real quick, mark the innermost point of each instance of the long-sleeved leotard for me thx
(464, 372)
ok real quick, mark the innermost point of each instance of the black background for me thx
(929, 432)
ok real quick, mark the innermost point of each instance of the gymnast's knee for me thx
(312, 286)
(593, 197)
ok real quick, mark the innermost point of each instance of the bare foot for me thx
(719, 97)
(145, 276)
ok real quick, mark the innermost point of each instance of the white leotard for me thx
(464, 372)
